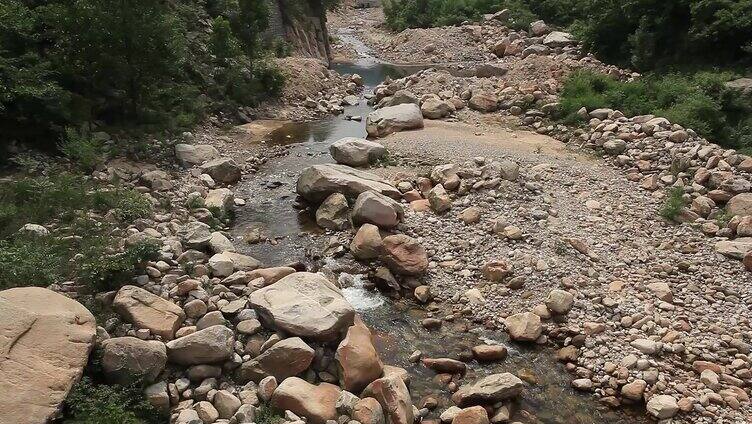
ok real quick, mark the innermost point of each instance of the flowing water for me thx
(547, 398)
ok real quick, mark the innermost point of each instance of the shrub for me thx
(83, 151)
(31, 262)
(91, 403)
(699, 101)
(267, 415)
(401, 14)
(673, 204)
(110, 272)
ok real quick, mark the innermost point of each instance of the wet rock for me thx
(445, 365)
(353, 151)
(489, 353)
(358, 360)
(128, 359)
(305, 305)
(489, 390)
(374, 208)
(210, 345)
(387, 120)
(404, 255)
(146, 310)
(317, 182)
(46, 340)
(317, 403)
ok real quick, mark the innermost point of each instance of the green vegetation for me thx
(92, 403)
(81, 247)
(265, 414)
(674, 204)
(642, 34)
(401, 14)
(699, 101)
(135, 65)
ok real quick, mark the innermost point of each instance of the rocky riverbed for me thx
(461, 266)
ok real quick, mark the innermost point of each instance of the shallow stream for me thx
(548, 398)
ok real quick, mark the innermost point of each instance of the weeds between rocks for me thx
(674, 204)
(91, 402)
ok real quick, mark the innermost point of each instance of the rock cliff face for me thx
(302, 24)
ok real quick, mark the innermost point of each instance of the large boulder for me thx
(190, 154)
(404, 255)
(489, 390)
(400, 97)
(222, 170)
(435, 108)
(45, 340)
(483, 101)
(358, 359)
(736, 248)
(375, 208)
(220, 199)
(285, 358)
(385, 121)
(394, 398)
(127, 359)
(316, 403)
(147, 310)
(662, 406)
(317, 182)
(304, 304)
(741, 205)
(558, 39)
(354, 151)
(212, 344)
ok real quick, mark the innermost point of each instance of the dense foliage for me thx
(94, 403)
(82, 246)
(700, 101)
(126, 63)
(401, 14)
(644, 34)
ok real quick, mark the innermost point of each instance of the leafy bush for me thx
(674, 204)
(135, 65)
(85, 152)
(110, 272)
(31, 262)
(265, 414)
(63, 196)
(699, 101)
(401, 14)
(91, 403)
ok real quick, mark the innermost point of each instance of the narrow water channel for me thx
(548, 398)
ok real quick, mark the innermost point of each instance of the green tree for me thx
(249, 20)
(119, 55)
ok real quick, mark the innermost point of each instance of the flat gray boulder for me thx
(210, 345)
(385, 121)
(489, 390)
(304, 304)
(317, 182)
(353, 151)
(195, 154)
(45, 340)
